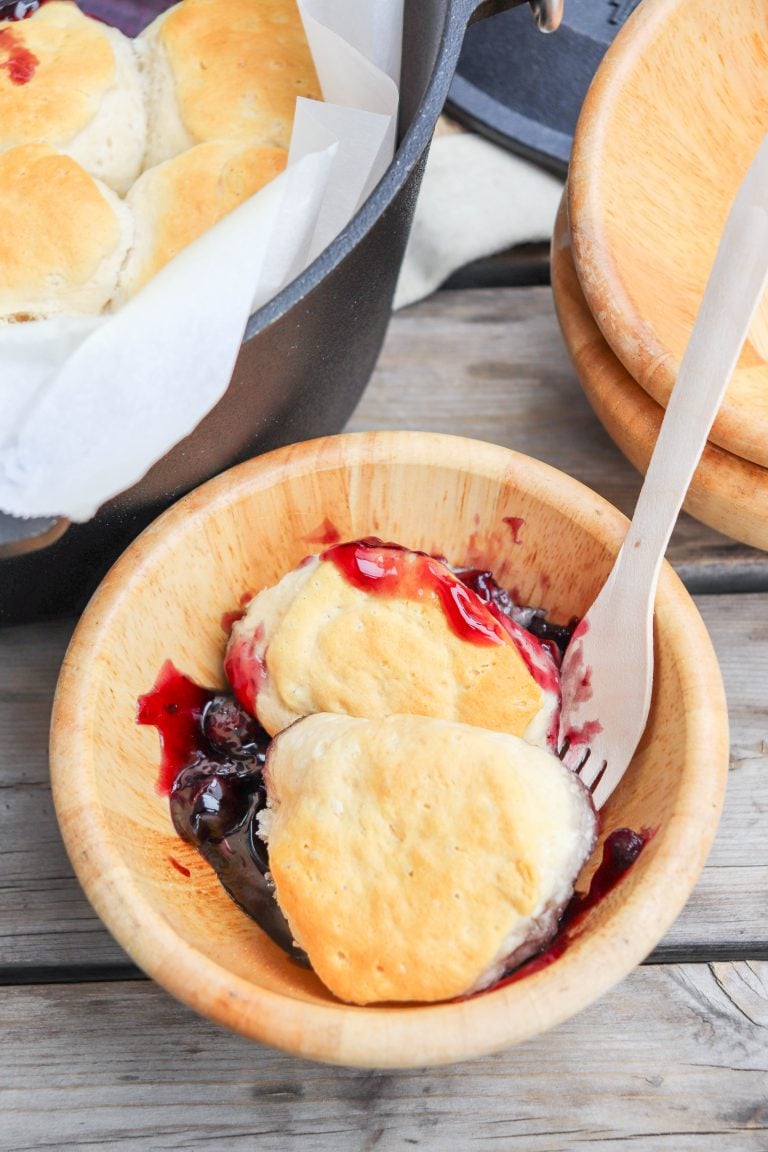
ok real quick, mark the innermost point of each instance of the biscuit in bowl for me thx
(55, 262)
(369, 630)
(177, 201)
(231, 72)
(419, 859)
(79, 90)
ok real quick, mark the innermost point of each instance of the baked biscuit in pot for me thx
(79, 90)
(175, 202)
(229, 71)
(69, 238)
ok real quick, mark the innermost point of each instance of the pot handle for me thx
(18, 536)
(546, 13)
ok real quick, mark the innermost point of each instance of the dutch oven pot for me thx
(306, 355)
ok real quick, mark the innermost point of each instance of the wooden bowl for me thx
(727, 493)
(668, 129)
(165, 598)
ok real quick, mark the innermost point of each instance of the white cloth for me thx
(476, 199)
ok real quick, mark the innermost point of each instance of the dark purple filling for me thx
(212, 762)
(19, 9)
(129, 19)
(556, 637)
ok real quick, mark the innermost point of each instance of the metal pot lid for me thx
(524, 90)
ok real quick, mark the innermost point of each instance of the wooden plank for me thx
(674, 1058)
(46, 925)
(45, 920)
(491, 364)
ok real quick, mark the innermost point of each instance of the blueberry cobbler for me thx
(381, 791)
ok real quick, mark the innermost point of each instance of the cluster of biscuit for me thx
(116, 153)
(423, 838)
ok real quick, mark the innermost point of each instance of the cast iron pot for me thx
(306, 356)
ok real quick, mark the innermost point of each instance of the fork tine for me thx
(603, 789)
(582, 763)
(598, 778)
(592, 771)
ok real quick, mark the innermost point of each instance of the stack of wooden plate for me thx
(669, 127)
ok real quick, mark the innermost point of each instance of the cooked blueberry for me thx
(484, 585)
(211, 800)
(622, 848)
(559, 634)
(229, 729)
(241, 864)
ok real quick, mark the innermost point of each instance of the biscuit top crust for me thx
(63, 227)
(75, 66)
(320, 642)
(239, 68)
(178, 201)
(405, 851)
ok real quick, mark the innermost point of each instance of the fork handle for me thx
(731, 297)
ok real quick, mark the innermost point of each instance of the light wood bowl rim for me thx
(633, 339)
(410, 1036)
(716, 495)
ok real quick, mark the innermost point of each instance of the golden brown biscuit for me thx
(177, 201)
(225, 73)
(79, 91)
(317, 643)
(69, 236)
(417, 859)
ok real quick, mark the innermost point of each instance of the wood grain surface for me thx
(491, 363)
(675, 1058)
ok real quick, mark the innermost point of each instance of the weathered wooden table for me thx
(93, 1056)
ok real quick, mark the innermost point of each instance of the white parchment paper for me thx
(88, 404)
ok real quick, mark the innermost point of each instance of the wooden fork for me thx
(607, 670)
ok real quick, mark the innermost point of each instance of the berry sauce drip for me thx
(554, 637)
(391, 570)
(213, 755)
(514, 523)
(229, 619)
(388, 569)
(245, 668)
(175, 706)
(326, 534)
(18, 61)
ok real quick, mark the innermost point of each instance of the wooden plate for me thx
(165, 598)
(727, 493)
(670, 125)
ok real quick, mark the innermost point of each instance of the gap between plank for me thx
(19, 975)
